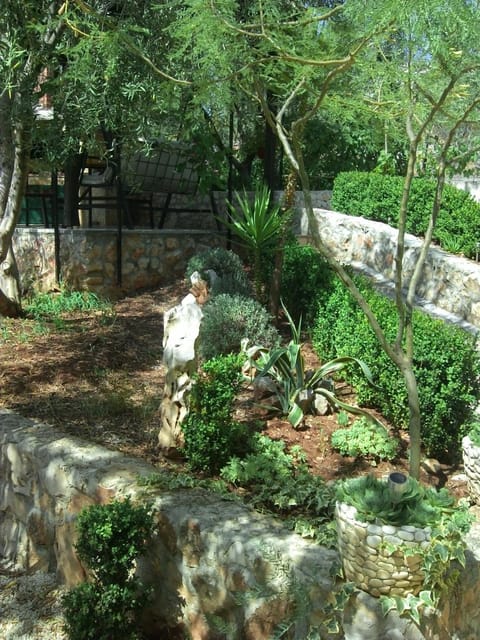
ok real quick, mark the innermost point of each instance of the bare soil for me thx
(101, 378)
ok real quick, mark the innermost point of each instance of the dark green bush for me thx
(211, 436)
(228, 319)
(378, 197)
(228, 267)
(304, 275)
(446, 365)
(110, 538)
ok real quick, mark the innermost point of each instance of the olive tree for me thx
(93, 59)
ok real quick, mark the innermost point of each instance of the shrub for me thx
(110, 538)
(365, 439)
(228, 267)
(304, 275)
(228, 319)
(446, 365)
(280, 479)
(211, 436)
(378, 197)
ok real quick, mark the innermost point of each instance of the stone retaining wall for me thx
(211, 561)
(367, 560)
(450, 285)
(88, 257)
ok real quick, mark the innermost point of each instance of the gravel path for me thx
(30, 607)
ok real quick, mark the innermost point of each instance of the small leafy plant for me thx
(281, 481)
(110, 538)
(366, 439)
(474, 433)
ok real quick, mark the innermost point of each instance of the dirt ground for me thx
(101, 378)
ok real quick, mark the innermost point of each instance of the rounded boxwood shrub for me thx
(228, 267)
(304, 275)
(446, 366)
(211, 436)
(228, 319)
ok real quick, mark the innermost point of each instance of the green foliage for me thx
(445, 360)
(258, 226)
(228, 267)
(51, 305)
(295, 386)
(418, 506)
(280, 480)
(211, 436)
(110, 538)
(377, 197)
(474, 432)
(230, 319)
(304, 275)
(103, 612)
(367, 439)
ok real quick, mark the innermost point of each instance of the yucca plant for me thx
(257, 226)
(297, 386)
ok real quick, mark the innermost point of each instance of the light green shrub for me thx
(228, 319)
(228, 267)
(365, 439)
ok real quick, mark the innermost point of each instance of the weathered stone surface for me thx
(450, 285)
(471, 462)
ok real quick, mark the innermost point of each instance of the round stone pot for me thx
(471, 464)
(368, 559)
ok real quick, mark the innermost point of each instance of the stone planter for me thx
(369, 562)
(471, 463)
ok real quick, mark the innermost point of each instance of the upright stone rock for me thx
(181, 329)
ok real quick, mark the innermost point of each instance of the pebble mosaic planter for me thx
(471, 463)
(369, 562)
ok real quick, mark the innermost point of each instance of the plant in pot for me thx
(399, 540)
(471, 461)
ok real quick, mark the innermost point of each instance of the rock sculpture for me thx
(181, 329)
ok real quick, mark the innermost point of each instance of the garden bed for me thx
(100, 376)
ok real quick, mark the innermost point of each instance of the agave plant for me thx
(296, 387)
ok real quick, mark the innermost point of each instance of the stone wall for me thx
(449, 287)
(213, 562)
(88, 257)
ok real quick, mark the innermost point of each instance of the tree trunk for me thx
(14, 161)
(10, 298)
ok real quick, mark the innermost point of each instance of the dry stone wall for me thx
(212, 561)
(449, 287)
(88, 257)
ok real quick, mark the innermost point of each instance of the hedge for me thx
(378, 197)
(446, 365)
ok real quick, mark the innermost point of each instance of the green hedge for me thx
(378, 197)
(305, 273)
(446, 364)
